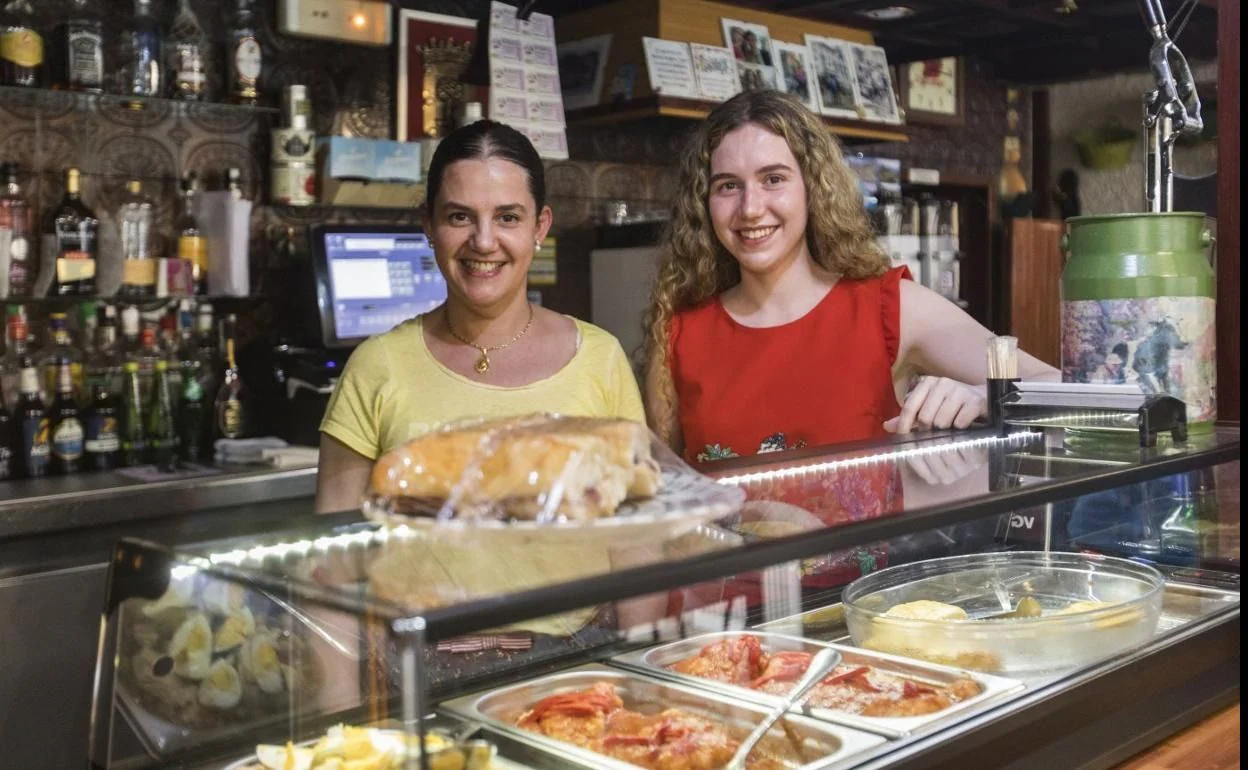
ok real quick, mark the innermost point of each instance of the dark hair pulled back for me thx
(483, 140)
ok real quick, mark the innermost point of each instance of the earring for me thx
(537, 244)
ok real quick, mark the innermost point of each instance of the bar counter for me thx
(61, 503)
(56, 536)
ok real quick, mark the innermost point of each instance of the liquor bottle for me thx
(244, 57)
(103, 441)
(146, 358)
(234, 182)
(193, 425)
(229, 409)
(192, 245)
(129, 333)
(88, 322)
(16, 348)
(21, 45)
(66, 423)
(17, 254)
(73, 229)
(104, 363)
(133, 445)
(205, 353)
(143, 62)
(162, 437)
(138, 263)
(32, 418)
(60, 345)
(9, 467)
(79, 62)
(188, 55)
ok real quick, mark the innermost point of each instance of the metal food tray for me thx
(499, 709)
(656, 661)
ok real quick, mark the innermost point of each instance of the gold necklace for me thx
(483, 365)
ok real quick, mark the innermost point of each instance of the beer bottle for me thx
(133, 445)
(32, 424)
(162, 440)
(8, 442)
(193, 415)
(103, 442)
(229, 409)
(67, 432)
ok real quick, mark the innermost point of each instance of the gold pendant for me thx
(483, 365)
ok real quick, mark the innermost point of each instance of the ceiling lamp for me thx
(889, 13)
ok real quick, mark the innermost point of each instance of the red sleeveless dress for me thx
(825, 378)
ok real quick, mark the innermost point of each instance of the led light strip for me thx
(855, 462)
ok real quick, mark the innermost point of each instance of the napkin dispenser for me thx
(1094, 407)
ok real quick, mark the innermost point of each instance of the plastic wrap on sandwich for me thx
(537, 469)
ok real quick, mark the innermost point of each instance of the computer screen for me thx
(374, 279)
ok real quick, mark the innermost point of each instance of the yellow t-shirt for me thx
(393, 390)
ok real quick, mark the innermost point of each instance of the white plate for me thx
(686, 501)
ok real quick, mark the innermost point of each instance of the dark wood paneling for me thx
(1041, 154)
(1229, 330)
(1035, 286)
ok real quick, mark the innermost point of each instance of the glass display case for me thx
(991, 599)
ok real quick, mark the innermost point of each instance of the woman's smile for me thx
(482, 268)
(756, 236)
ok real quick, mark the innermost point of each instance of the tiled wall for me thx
(351, 88)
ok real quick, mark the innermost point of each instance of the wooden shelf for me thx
(691, 109)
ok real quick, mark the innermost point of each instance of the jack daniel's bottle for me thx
(79, 60)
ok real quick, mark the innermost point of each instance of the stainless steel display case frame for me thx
(1092, 717)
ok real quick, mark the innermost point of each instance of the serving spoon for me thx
(820, 665)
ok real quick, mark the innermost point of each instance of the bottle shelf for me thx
(48, 102)
(56, 301)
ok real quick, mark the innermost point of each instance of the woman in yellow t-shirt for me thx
(487, 351)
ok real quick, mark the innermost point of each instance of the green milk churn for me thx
(1138, 306)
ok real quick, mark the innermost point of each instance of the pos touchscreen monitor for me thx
(371, 278)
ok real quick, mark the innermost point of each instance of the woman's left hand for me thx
(938, 403)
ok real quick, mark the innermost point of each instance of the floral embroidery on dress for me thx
(715, 452)
(776, 442)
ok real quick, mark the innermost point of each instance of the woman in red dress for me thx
(776, 321)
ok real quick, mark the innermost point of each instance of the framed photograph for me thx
(716, 72)
(793, 72)
(670, 66)
(750, 43)
(835, 91)
(417, 28)
(582, 64)
(875, 83)
(933, 91)
(755, 77)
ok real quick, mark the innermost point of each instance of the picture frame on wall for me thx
(582, 68)
(716, 71)
(933, 91)
(751, 47)
(794, 74)
(417, 28)
(874, 83)
(835, 92)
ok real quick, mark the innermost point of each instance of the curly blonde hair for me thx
(695, 266)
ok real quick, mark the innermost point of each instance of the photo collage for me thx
(833, 77)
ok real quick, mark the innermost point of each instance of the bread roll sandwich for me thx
(571, 468)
